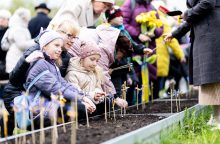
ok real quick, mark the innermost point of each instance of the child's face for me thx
(54, 48)
(117, 21)
(90, 62)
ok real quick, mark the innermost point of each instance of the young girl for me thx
(84, 73)
(51, 44)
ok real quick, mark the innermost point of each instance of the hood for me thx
(108, 34)
(74, 65)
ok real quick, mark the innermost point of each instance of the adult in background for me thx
(4, 19)
(40, 20)
(203, 17)
(18, 36)
(131, 9)
(84, 12)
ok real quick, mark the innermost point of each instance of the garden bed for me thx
(100, 131)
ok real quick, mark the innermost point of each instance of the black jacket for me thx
(3, 74)
(41, 20)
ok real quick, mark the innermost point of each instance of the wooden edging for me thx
(151, 133)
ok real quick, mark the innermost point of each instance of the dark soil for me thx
(100, 131)
(162, 107)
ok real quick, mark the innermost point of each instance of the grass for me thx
(193, 130)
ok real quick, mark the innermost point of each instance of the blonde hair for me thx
(68, 25)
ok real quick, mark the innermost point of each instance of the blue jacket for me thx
(52, 82)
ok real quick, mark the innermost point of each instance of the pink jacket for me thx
(106, 38)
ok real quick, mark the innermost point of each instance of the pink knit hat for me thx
(89, 48)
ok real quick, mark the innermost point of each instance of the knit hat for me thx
(89, 48)
(5, 14)
(113, 13)
(48, 36)
(107, 1)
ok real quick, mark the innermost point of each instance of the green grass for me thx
(193, 130)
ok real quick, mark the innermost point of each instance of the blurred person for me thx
(125, 48)
(202, 18)
(18, 36)
(40, 20)
(131, 9)
(84, 12)
(4, 19)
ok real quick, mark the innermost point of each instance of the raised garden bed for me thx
(100, 131)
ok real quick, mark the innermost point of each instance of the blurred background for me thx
(12, 5)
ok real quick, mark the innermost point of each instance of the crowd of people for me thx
(86, 53)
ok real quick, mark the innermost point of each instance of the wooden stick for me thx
(76, 109)
(24, 124)
(113, 108)
(109, 106)
(105, 111)
(73, 126)
(42, 134)
(15, 123)
(172, 84)
(32, 127)
(137, 92)
(152, 92)
(87, 118)
(179, 101)
(177, 107)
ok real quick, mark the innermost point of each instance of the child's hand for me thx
(90, 106)
(144, 38)
(34, 56)
(121, 103)
(148, 51)
(99, 96)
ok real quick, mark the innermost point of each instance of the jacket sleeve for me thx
(18, 75)
(127, 15)
(70, 10)
(181, 30)
(202, 8)
(49, 83)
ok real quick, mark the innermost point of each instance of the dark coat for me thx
(204, 18)
(41, 20)
(3, 74)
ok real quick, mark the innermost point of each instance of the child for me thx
(51, 44)
(85, 73)
(115, 19)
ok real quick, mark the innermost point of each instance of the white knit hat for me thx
(48, 36)
(5, 14)
(107, 1)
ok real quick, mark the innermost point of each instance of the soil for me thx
(100, 131)
(162, 107)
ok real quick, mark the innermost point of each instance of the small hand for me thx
(34, 56)
(148, 51)
(144, 38)
(168, 37)
(99, 95)
(183, 60)
(90, 106)
(121, 103)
